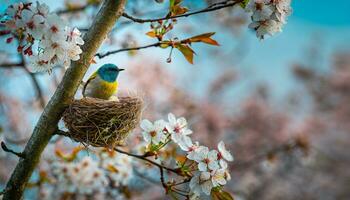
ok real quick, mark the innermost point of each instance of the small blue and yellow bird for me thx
(103, 83)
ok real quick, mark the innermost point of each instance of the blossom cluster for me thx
(87, 175)
(212, 168)
(84, 177)
(118, 166)
(268, 16)
(44, 37)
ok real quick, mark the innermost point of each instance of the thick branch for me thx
(213, 7)
(110, 11)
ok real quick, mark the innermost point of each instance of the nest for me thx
(102, 123)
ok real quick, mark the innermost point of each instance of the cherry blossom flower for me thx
(177, 128)
(268, 16)
(58, 44)
(223, 155)
(201, 183)
(190, 148)
(219, 177)
(84, 177)
(207, 160)
(153, 132)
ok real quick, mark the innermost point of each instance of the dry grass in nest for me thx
(102, 123)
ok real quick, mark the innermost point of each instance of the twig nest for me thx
(102, 123)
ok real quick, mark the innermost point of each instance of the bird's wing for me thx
(92, 77)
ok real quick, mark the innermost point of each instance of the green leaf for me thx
(244, 3)
(186, 51)
(171, 4)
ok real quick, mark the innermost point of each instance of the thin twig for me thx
(6, 149)
(162, 180)
(35, 82)
(11, 65)
(101, 55)
(213, 7)
(141, 157)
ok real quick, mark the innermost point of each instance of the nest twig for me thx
(102, 123)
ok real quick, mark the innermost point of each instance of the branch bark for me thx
(102, 55)
(212, 7)
(110, 11)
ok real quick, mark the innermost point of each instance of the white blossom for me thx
(201, 183)
(207, 160)
(57, 43)
(268, 16)
(224, 155)
(84, 177)
(178, 128)
(218, 177)
(153, 132)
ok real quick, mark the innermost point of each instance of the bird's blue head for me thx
(109, 72)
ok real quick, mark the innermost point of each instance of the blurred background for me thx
(280, 104)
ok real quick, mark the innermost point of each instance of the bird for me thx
(103, 83)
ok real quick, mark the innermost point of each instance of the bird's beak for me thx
(121, 69)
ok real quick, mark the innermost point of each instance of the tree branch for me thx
(6, 149)
(110, 11)
(212, 7)
(143, 157)
(11, 65)
(102, 55)
(35, 82)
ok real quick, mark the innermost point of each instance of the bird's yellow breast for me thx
(101, 89)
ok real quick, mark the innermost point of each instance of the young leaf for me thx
(220, 195)
(178, 10)
(205, 37)
(151, 34)
(244, 3)
(186, 51)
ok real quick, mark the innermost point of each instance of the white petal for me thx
(204, 176)
(146, 136)
(182, 122)
(202, 166)
(213, 155)
(206, 187)
(146, 125)
(187, 132)
(223, 164)
(171, 118)
(213, 165)
(225, 154)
